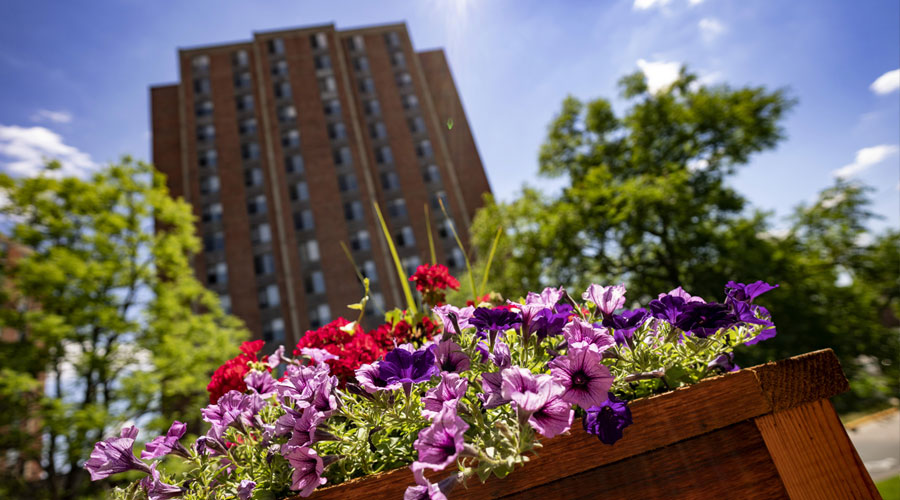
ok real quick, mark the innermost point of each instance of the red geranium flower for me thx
(230, 376)
(431, 280)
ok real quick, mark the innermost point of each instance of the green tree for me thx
(647, 202)
(111, 324)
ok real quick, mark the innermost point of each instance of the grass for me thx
(889, 488)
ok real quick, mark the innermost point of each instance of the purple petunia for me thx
(705, 319)
(493, 321)
(369, 377)
(606, 298)
(317, 355)
(668, 308)
(680, 293)
(746, 293)
(276, 358)
(451, 388)
(492, 396)
(608, 420)
(163, 445)
(300, 382)
(538, 400)
(115, 455)
(580, 333)
(624, 325)
(158, 490)
(426, 490)
(585, 379)
(463, 315)
(553, 418)
(723, 362)
(450, 357)
(500, 356)
(232, 410)
(308, 469)
(441, 443)
(302, 426)
(245, 489)
(407, 366)
(260, 382)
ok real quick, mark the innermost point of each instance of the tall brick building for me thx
(281, 144)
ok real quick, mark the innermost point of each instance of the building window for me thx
(432, 174)
(390, 181)
(300, 192)
(309, 251)
(398, 60)
(404, 79)
(383, 155)
(332, 107)
(337, 131)
(241, 58)
(327, 85)
(268, 296)
(410, 101)
(247, 127)
(214, 242)
(353, 211)
(319, 40)
(303, 221)
(405, 238)
(342, 156)
(280, 68)
(276, 46)
(243, 80)
(261, 233)
(217, 274)
(347, 183)
(423, 149)
(373, 108)
(438, 198)
(282, 90)
(361, 63)
(212, 212)
(274, 331)
(203, 108)
(377, 302)
(291, 138)
(201, 86)
(287, 114)
(200, 64)
(456, 260)
(245, 103)
(445, 229)
(257, 205)
(225, 303)
(315, 283)
(397, 208)
(368, 271)
(377, 130)
(360, 241)
(293, 164)
(319, 316)
(410, 264)
(208, 158)
(206, 133)
(392, 39)
(250, 151)
(357, 42)
(416, 124)
(322, 61)
(264, 264)
(366, 85)
(209, 184)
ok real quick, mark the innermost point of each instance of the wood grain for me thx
(814, 455)
(802, 379)
(729, 463)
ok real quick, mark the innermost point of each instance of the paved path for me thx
(878, 443)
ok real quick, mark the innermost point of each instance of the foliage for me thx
(647, 202)
(112, 325)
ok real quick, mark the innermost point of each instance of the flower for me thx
(668, 308)
(317, 355)
(494, 320)
(585, 378)
(463, 316)
(115, 455)
(232, 410)
(449, 357)
(308, 469)
(547, 298)
(580, 333)
(607, 420)
(553, 418)
(431, 280)
(492, 396)
(705, 319)
(426, 490)
(547, 323)
(230, 376)
(440, 443)
(723, 362)
(624, 325)
(369, 377)
(156, 489)
(163, 445)
(245, 489)
(746, 293)
(499, 357)
(261, 383)
(407, 366)
(451, 388)
(767, 332)
(528, 391)
(302, 426)
(680, 293)
(276, 358)
(606, 298)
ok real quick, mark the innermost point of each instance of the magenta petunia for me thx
(369, 377)
(245, 489)
(528, 391)
(553, 418)
(164, 445)
(492, 396)
(451, 388)
(308, 469)
(579, 333)
(607, 298)
(158, 490)
(449, 357)
(260, 382)
(441, 443)
(585, 378)
(115, 455)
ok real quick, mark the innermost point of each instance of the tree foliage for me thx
(647, 202)
(110, 325)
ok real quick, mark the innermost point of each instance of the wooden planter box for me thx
(762, 432)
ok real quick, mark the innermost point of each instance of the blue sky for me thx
(75, 75)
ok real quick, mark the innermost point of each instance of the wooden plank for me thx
(728, 463)
(814, 455)
(802, 379)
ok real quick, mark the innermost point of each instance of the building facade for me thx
(282, 145)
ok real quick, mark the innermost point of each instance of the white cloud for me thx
(865, 158)
(649, 4)
(710, 28)
(25, 150)
(47, 115)
(695, 2)
(886, 83)
(660, 74)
